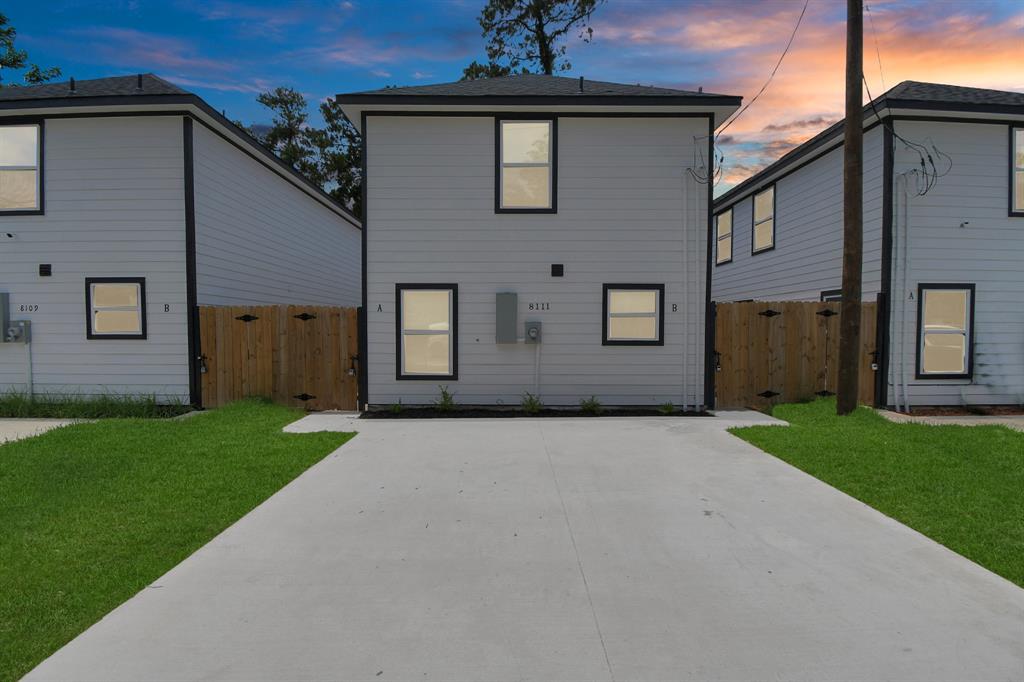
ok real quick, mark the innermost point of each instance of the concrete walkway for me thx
(559, 549)
(1012, 421)
(16, 429)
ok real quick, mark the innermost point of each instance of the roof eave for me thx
(886, 107)
(140, 103)
(545, 100)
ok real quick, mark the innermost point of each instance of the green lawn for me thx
(90, 514)
(962, 486)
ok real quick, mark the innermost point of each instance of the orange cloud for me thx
(979, 44)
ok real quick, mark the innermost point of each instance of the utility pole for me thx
(853, 210)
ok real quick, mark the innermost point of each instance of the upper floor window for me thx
(20, 160)
(723, 232)
(764, 221)
(526, 166)
(945, 330)
(1017, 171)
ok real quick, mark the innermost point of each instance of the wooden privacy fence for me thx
(777, 352)
(296, 355)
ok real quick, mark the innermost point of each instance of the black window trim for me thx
(753, 218)
(554, 162)
(141, 281)
(40, 174)
(454, 332)
(732, 234)
(605, 288)
(831, 296)
(1014, 211)
(921, 287)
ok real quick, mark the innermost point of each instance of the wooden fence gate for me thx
(779, 352)
(296, 355)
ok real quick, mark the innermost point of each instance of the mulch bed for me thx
(492, 413)
(961, 411)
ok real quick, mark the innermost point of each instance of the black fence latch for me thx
(768, 394)
(827, 312)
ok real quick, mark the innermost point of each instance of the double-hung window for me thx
(525, 175)
(634, 315)
(1017, 171)
(20, 162)
(723, 232)
(763, 237)
(427, 325)
(944, 331)
(115, 308)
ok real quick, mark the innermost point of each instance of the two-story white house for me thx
(126, 203)
(536, 234)
(943, 239)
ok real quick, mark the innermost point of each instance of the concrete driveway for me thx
(612, 549)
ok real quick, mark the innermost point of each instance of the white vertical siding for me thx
(114, 208)
(808, 254)
(261, 240)
(988, 251)
(620, 219)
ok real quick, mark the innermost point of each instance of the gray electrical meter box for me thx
(506, 310)
(532, 332)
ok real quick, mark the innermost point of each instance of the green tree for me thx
(286, 136)
(528, 35)
(13, 58)
(330, 157)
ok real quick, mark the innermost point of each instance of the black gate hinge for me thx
(247, 318)
(769, 313)
(304, 316)
(827, 312)
(768, 394)
(303, 397)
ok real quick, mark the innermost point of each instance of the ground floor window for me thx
(832, 296)
(115, 308)
(945, 331)
(634, 314)
(426, 319)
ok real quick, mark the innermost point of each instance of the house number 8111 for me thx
(540, 306)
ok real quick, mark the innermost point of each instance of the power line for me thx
(927, 173)
(878, 52)
(770, 77)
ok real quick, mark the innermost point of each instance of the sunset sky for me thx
(228, 51)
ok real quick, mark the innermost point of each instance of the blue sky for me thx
(227, 51)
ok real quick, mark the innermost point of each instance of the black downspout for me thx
(364, 364)
(709, 311)
(195, 395)
(885, 298)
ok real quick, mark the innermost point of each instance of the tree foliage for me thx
(13, 58)
(527, 36)
(330, 157)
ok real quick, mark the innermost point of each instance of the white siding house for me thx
(124, 204)
(943, 248)
(588, 201)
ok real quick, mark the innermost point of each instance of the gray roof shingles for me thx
(529, 85)
(952, 94)
(117, 86)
